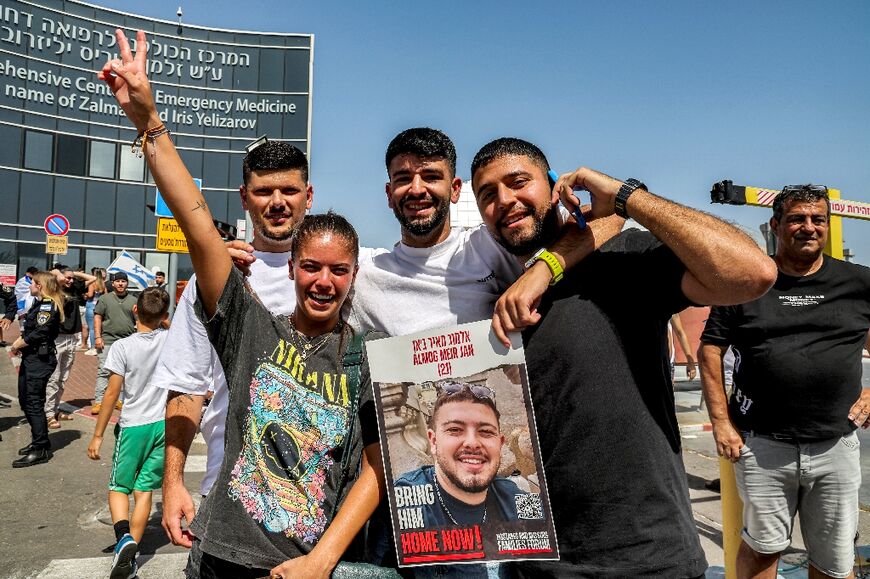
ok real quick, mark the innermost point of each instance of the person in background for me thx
(36, 347)
(95, 290)
(676, 333)
(22, 292)
(65, 343)
(796, 400)
(160, 280)
(113, 320)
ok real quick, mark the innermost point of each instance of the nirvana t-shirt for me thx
(290, 421)
(604, 407)
(797, 352)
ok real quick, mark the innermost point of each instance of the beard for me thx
(470, 483)
(424, 226)
(544, 230)
(276, 234)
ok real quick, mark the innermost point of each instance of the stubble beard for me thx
(473, 483)
(427, 226)
(543, 232)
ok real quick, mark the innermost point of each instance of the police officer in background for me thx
(38, 361)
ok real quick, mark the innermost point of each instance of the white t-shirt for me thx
(411, 289)
(189, 364)
(134, 358)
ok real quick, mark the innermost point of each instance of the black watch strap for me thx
(628, 187)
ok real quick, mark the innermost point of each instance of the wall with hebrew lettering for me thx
(65, 145)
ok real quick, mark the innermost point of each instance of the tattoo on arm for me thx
(200, 204)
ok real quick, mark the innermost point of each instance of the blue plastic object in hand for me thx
(578, 215)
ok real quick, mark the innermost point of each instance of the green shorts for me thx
(137, 464)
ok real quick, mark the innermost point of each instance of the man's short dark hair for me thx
(160, 273)
(464, 395)
(800, 194)
(275, 156)
(425, 143)
(153, 302)
(32, 270)
(507, 146)
(328, 222)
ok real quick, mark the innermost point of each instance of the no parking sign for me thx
(56, 224)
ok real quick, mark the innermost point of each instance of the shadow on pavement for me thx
(63, 438)
(7, 422)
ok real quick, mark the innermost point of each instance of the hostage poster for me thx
(464, 475)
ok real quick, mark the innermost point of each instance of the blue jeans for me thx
(89, 318)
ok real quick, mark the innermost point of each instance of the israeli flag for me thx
(139, 277)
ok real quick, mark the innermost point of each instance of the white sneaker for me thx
(91, 352)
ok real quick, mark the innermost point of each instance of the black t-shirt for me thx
(79, 290)
(604, 403)
(797, 352)
(287, 427)
(72, 321)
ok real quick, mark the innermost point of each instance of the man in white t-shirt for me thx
(438, 275)
(276, 193)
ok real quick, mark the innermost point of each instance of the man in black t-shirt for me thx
(789, 426)
(465, 440)
(598, 363)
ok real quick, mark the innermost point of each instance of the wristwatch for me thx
(628, 187)
(555, 267)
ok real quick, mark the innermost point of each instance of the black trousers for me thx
(33, 375)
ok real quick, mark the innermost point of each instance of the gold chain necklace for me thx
(308, 346)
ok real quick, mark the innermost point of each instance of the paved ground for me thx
(55, 522)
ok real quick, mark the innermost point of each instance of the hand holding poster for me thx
(464, 475)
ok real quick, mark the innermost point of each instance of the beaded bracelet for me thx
(141, 140)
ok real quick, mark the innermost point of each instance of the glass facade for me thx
(66, 148)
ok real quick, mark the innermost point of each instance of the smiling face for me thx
(277, 201)
(802, 231)
(466, 442)
(68, 279)
(419, 193)
(120, 286)
(516, 202)
(323, 269)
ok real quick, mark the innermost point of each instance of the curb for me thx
(706, 427)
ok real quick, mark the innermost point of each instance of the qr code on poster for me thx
(529, 506)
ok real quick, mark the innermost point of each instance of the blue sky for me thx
(679, 94)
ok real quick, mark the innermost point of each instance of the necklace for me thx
(307, 346)
(444, 506)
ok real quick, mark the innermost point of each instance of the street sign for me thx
(7, 273)
(161, 209)
(56, 224)
(169, 236)
(56, 244)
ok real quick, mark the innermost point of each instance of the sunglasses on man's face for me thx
(801, 188)
(478, 391)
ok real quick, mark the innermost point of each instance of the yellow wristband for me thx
(551, 261)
